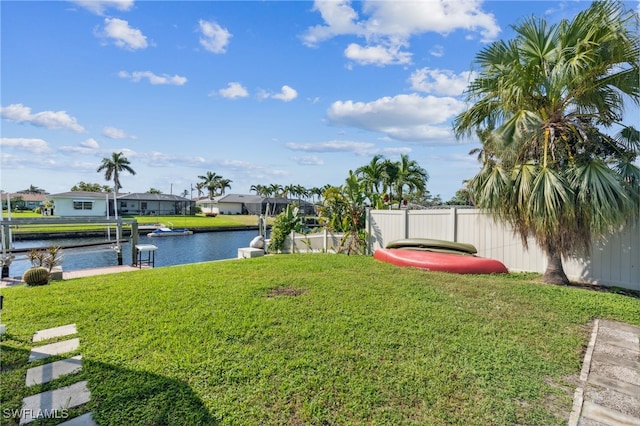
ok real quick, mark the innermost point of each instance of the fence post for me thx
(324, 241)
(406, 223)
(367, 222)
(454, 224)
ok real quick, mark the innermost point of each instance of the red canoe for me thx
(444, 262)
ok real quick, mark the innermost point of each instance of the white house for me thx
(94, 204)
(81, 203)
(248, 204)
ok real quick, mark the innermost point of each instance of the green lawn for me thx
(314, 339)
(191, 222)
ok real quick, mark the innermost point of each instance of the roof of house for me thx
(28, 196)
(81, 194)
(152, 197)
(241, 198)
(134, 196)
(248, 199)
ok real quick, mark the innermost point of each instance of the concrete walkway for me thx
(55, 402)
(12, 281)
(609, 391)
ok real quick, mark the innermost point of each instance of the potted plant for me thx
(42, 262)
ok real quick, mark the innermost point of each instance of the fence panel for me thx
(614, 261)
(317, 242)
(438, 224)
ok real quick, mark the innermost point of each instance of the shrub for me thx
(36, 276)
(283, 224)
(48, 258)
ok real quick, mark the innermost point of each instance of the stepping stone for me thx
(48, 372)
(50, 333)
(55, 402)
(83, 420)
(57, 348)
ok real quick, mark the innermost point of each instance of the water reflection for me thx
(178, 250)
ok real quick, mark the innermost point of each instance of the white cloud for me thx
(114, 133)
(48, 119)
(404, 19)
(377, 55)
(233, 90)
(123, 35)
(90, 143)
(311, 160)
(286, 94)
(98, 7)
(437, 51)
(359, 148)
(441, 82)
(35, 146)
(404, 117)
(387, 26)
(136, 76)
(87, 147)
(340, 18)
(214, 38)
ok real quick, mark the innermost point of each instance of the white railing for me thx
(612, 262)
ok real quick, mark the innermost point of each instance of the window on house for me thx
(123, 204)
(83, 205)
(143, 205)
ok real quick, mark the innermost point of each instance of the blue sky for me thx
(295, 92)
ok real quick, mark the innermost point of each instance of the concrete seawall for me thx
(31, 236)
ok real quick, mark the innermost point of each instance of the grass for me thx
(314, 339)
(192, 222)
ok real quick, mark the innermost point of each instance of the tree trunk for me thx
(555, 272)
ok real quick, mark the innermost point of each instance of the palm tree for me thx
(343, 210)
(199, 187)
(410, 176)
(389, 178)
(372, 174)
(210, 180)
(545, 97)
(32, 190)
(113, 166)
(223, 184)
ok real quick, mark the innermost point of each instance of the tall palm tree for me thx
(410, 176)
(210, 180)
(199, 187)
(372, 174)
(389, 178)
(223, 184)
(113, 166)
(546, 98)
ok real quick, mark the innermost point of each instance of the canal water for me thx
(176, 250)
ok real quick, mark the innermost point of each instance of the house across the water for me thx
(250, 204)
(101, 204)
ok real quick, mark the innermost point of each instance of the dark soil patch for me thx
(286, 292)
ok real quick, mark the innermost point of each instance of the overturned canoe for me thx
(443, 262)
(435, 245)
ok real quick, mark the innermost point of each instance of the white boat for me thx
(169, 232)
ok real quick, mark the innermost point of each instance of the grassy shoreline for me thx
(315, 339)
(198, 223)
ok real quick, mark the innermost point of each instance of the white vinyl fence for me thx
(316, 242)
(613, 262)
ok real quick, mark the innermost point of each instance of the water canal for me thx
(177, 250)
